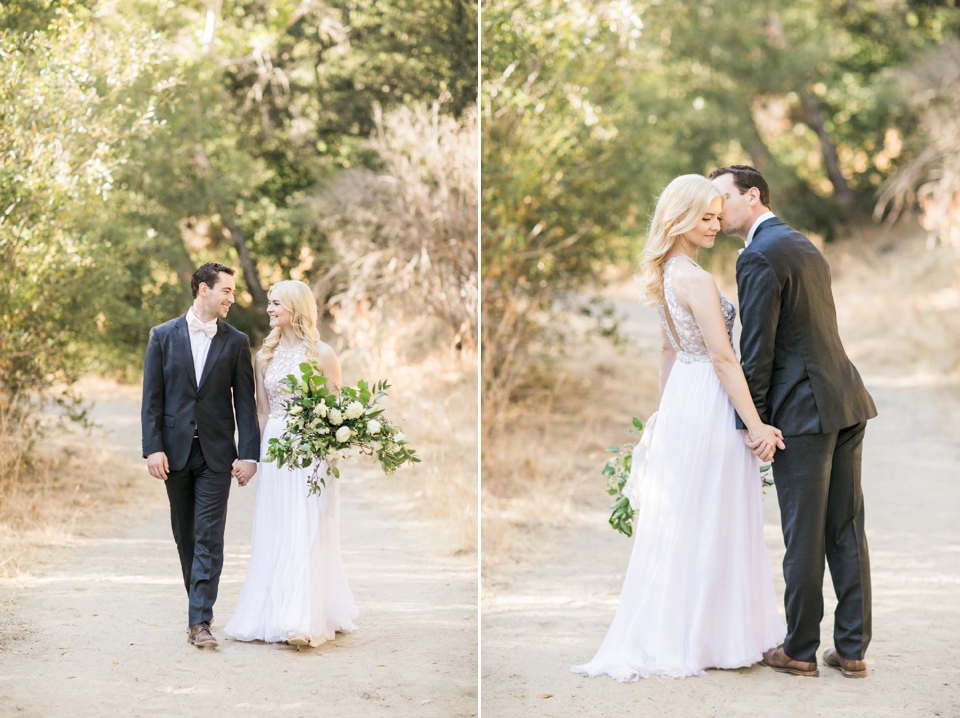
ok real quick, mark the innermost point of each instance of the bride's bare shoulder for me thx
(690, 278)
(324, 351)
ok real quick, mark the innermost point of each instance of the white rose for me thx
(343, 434)
(399, 437)
(354, 410)
(321, 409)
(376, 445)
(336, 418)
(373, 427)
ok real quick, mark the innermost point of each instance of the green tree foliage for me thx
(140, 139)
(589, 109)
(72, 99)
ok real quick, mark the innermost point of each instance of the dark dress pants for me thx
(821, 508)
(198, 513)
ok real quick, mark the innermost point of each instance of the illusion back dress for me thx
(698, 591)
(295, 584)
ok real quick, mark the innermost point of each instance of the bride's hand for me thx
(764, 441)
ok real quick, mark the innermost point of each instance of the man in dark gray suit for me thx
(803, 383)
(197, 372)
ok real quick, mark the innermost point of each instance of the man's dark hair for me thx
(745, 177)
(208, 274)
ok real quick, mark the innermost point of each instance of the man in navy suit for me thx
(803, 383)
(198, 387)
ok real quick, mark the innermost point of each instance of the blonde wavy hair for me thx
(296, 298)
(680, 208)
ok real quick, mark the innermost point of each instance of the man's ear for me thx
(754, 195)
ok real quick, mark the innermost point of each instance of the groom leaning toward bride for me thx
(698, 591)
(802, 382)
(197, 375)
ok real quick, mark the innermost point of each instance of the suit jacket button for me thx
(192, 423)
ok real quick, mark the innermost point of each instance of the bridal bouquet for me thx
(322, 424)
(617, 470)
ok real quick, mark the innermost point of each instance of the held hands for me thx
(764, 441)
(243, 471)
(158, 466)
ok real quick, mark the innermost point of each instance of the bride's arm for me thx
(697, 289)
(330, 365)
(263, 404)
(668, 357)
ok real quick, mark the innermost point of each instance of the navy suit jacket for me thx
(174, 405)
(799, 375)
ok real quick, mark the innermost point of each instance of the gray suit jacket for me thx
(799, 375)
(174, 405)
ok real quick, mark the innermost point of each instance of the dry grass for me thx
(70, 486)
(899, 313)
(541, 461)
(898, 304)
(435, 401)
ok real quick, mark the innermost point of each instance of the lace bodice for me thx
(691, 347)
(284, 362)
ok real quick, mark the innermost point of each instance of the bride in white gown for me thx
(296, 589)
(698, 592)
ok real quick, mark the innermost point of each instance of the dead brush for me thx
(60, 489)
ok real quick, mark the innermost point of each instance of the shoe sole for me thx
(849, 674)
(793, 671)
(299, 642)
(844, 671)
(203, 644)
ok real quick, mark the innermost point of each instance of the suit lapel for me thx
(216, 347)
(186, 353)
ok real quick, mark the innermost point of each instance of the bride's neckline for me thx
(682, 256)
(280, 346)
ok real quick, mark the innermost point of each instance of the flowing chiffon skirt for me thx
(295, 584)
(698, 591)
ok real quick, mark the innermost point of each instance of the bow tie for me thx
(197, 326)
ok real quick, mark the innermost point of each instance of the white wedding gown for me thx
(295, 584)
(698, 591)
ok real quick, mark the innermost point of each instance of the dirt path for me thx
(102, 630)
(550, 607)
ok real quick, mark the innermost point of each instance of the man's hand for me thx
(158, 466)
(244, 471)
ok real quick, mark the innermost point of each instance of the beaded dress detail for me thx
(296, 584)
(691, 347)
(284, 362)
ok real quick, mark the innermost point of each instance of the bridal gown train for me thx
(295, 584)
(698, 591)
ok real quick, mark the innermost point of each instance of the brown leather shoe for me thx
(778, 660)
(200, 636)
(849, 667)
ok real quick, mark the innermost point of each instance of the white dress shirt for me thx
(753, 230)
(199, 342)
(200, 347)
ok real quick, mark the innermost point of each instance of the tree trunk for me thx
(249, 268)
(828, 150)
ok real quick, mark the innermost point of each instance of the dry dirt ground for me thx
(552, 587)
(98, 628)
